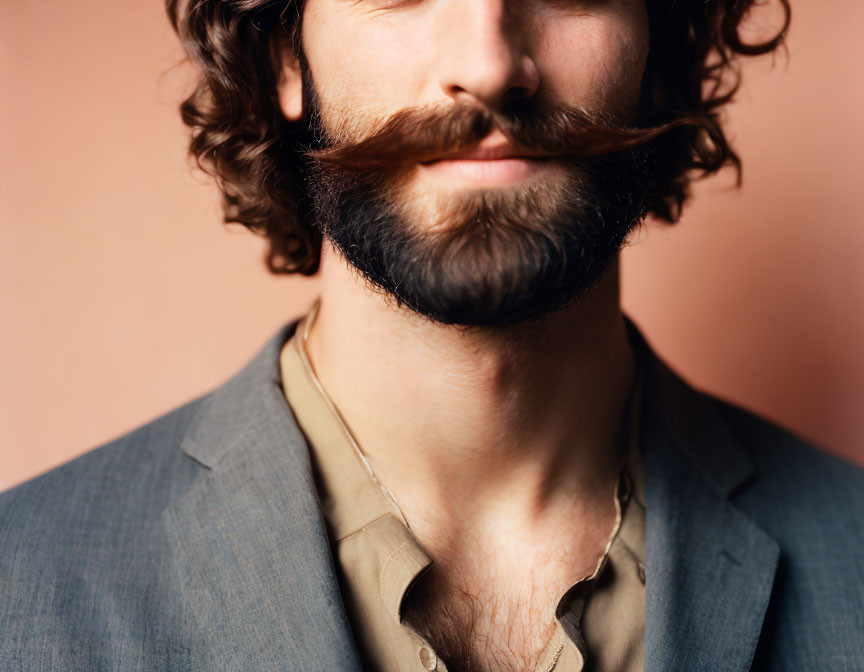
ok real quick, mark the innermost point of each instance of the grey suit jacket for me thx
(197, 542)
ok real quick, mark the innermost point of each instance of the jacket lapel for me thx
(709, 568)
(251, 550)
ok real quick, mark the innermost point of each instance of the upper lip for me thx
(488, 149)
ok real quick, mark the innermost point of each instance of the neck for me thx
(478, 425)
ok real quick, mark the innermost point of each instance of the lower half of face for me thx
(471, 241)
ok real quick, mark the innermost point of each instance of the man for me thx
(464, 457)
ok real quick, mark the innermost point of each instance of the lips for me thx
(492, 148)
(493, 161)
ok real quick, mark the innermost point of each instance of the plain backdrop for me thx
(123, 295)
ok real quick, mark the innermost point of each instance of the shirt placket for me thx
(402, 567)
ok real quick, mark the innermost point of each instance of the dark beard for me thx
(499, 256)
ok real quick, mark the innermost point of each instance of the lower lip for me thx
(485, 172)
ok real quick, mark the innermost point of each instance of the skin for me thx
(501, 446)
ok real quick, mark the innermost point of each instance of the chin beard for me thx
(493, 257)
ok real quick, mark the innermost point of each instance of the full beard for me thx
(483, 257)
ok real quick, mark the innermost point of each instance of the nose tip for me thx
(496, 84)
(486, 56)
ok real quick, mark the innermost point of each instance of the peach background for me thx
(122, 295)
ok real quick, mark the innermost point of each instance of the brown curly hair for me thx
(241, 138)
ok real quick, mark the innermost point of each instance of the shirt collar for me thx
(349, 496)
(352, 499)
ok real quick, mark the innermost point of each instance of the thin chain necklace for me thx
(367, 461)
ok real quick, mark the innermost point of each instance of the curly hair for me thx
(240, 137)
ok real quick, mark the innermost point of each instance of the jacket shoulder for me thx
(140, 463)
(792, 468)
(811, 503)
(93, 571)
(85, 568)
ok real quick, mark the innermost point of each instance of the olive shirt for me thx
(600, 619)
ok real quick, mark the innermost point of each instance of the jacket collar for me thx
(257, 570)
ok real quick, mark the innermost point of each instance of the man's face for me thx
(469, 206)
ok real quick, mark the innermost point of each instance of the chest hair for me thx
(483, 624)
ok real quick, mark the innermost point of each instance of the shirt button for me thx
(640, 569)
(428, 659)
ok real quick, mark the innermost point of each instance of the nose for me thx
(485, 52)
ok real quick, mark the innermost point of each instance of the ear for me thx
(290, 87)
